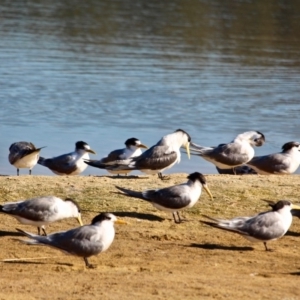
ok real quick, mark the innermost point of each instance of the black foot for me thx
(88, 265)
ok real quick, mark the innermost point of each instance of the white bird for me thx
(70, 163)
(233, 154)
(283, 163)
(84, 241)
(23, 155)
(133, 149)
(159, 157)
(173, 198)
(42, 211)
(263, 227)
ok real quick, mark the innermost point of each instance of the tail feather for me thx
(95, 163)
(224, 228)
(34, 238)
(130, 193)
(41, 161)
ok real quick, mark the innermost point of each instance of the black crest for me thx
(180, 130)
(262, 135)
(289, 145)
(131, 142)
(197, 176)
(100, 218)
(75, 203)
(280, 204)
(81, 145)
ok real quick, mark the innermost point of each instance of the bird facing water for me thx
(70, 163)
(84, 241)
(173, 198)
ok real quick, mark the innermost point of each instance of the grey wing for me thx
(229, 154)
(19, 150)
(155, 158)
(173, 197)
(264, 226)
(62, 164)
(113, 156)
(38, 209)
(273, 163)
(78, 241)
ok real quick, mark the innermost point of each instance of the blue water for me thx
(106, 71)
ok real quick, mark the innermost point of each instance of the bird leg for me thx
(17, 172)
(29, 171)
(87, 264)
(178, 217)
(43, 229)
(267, 249)
(160, 176)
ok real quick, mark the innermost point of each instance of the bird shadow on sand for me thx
(207, 246)
(295, 273)
(140, 216)
(292, 233)
(123, 177)
(10, 233)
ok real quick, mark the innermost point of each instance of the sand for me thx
(151, 257)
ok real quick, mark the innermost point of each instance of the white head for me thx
(82, 146)
(134, 144)
(293, 147)
(177, 139)
(254, 138)
(74, 209)
(106, 218)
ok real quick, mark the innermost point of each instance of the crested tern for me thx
(70, 163)
(23, 155)
(163, 155)
(263, 227)
(41, 211)
(283, 163)
(84, 241)
(133, 149)
(233, 154)
(173, 198)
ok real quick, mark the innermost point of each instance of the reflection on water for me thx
(104, 71)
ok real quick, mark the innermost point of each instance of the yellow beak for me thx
(207, 191)
(91, 151)
(142, 146)
(119, 221)
(79, 220)
(188, 150)
(295, 207)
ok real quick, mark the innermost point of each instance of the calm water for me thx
(105, 71)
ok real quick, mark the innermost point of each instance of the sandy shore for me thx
(151, 256)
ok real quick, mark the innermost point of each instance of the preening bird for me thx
(163, 155)
(84, 241)
(263, 227)
(233, 154)
(23, 155)
(282, 163)
(173, 198)
(41, 211)
(70, 163)
(133, 149)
